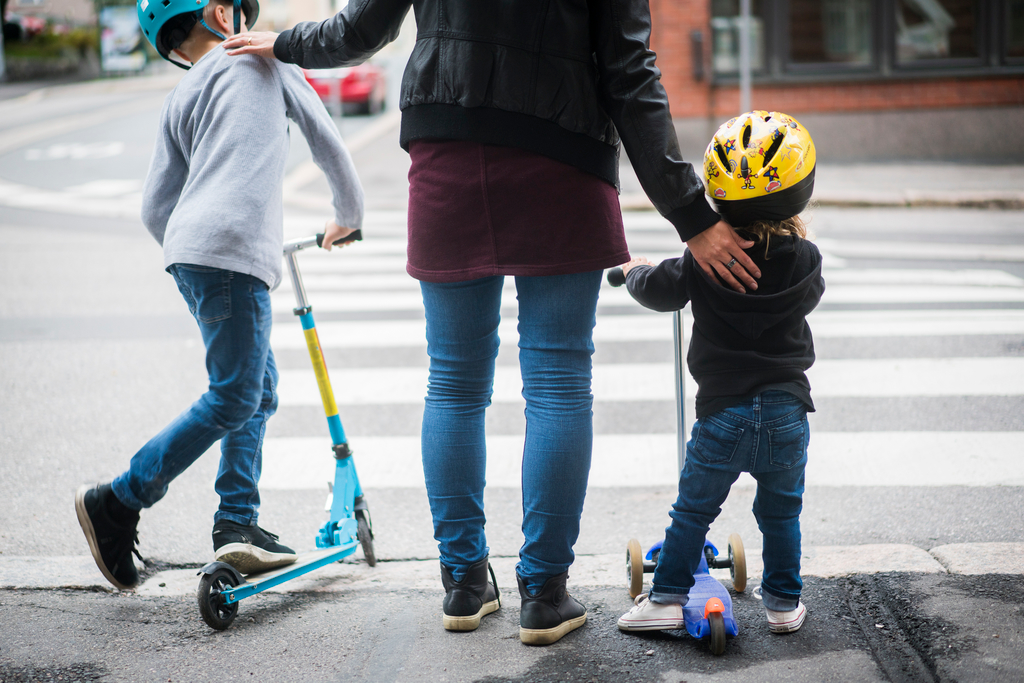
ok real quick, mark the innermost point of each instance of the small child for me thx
(749, 353)
(213, 200)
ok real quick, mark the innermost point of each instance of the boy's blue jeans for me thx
(556, 323)
(766, 436)
(234, 316)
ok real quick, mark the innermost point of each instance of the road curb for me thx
(79, 572)
(1002, 201)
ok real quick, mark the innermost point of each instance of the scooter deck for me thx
(307, 562)
(706, 587)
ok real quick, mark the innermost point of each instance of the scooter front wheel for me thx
(365, 537)
(634, 567)
(215, 612)
(737, 563)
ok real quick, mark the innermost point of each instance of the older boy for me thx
(213, 200)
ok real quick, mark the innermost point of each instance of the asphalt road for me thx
(918, 430)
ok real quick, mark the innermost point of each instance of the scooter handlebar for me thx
(354, 236)
(616, 278)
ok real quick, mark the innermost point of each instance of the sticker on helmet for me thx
(772, 186)
(730, 145)
(720, 193)
(772, 173)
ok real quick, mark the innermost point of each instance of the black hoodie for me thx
(743, 344)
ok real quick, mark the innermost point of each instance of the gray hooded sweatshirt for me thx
(213, 194)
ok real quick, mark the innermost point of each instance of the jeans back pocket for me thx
(787, 445)
(716, 441)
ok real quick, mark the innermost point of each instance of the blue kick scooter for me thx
(221, 586)
(708, 614)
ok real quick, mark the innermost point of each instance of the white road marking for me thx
(651, 327)
(654, 381)
(834, 459)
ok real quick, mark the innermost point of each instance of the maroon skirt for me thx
(481, 210)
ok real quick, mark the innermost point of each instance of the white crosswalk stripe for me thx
(369, 280)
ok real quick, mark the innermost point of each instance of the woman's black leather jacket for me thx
(563, 78)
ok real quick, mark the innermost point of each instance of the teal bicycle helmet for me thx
(167, 23)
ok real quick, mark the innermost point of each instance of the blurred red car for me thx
(362, 89)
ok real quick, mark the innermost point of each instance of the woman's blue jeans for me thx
(556, 323)
(766, 436)
(234, 316)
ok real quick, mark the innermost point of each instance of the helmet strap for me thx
(238, 16)
(199, 16)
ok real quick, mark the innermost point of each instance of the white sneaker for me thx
(651, 616)
(786, 622)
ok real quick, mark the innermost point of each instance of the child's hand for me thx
(334, 232)
(636, 261)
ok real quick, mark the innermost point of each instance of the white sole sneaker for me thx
(250, 559)
(652, 616)
(786, 622)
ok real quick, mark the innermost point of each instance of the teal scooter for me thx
(221, 586)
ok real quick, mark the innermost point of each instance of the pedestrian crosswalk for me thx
(366, 306)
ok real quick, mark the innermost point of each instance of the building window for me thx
(936, 29)
(1015, 28)
(725, 36)
(830, 32)
(868, 39)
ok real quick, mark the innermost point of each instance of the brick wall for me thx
(673, 20)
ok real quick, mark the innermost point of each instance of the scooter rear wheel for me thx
(212, 607)
(737, 563)
(716, 639)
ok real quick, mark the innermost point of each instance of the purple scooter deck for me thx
(705, 588)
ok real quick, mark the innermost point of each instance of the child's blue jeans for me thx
(766, 436)
(234, 316)
(557, 314)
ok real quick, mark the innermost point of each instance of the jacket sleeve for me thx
(349, 37)
(168, 171)
(638, 105)
(329, 151)
(661, 287)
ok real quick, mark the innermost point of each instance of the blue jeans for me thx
(234, 316)
(556, 323)
(766, 436)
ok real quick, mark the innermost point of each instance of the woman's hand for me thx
(635, 261)
(259, 43)
(720, 250)
(334, 232)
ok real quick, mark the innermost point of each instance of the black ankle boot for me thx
(467, 600)
(550, 613)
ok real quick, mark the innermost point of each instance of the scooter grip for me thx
(616, 278)
(355, 236)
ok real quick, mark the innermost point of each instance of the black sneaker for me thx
(249, 549)
(550, 613)
(110, 528)
(466, 601)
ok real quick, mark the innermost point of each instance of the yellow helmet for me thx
(760, 166)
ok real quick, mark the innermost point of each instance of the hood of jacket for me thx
(788, 291)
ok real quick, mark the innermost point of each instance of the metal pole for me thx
(744, 56)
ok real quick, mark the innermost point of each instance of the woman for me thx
(512, 114)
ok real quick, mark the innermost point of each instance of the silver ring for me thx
(730, 264)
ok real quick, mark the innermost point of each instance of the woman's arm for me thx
(349, 37)
(638, 105)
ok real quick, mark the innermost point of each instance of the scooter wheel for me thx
(634, 567)
(737, 563)
(212, 607)
(365, 537)
(716, 639)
